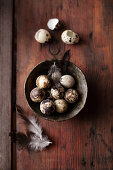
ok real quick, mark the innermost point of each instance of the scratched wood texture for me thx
(5, 82)
(86, 141)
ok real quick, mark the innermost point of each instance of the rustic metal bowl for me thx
(81, 86)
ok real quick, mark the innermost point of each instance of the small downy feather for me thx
(55, 73)
(33, 139)
(22, 140)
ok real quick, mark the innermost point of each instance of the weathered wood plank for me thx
(5, 82)
(84, 142)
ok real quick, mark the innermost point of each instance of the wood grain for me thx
(85, 142)
(5, 82)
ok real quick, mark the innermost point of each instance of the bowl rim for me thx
(46, 118)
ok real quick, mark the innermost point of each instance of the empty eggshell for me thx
(67, 81)
(53, 24)
(42, 36)
(70, 37)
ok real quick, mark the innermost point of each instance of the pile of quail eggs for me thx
(54, 98)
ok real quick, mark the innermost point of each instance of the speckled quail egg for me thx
(47, 106)
(61, 105)
(70, 37)
(43, 82)
(57, 93)
(71, 96)
(37, 95)
(42, 36)
(67, 81)
(53, 24)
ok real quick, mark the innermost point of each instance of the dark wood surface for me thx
(86, 141)
(5, 82)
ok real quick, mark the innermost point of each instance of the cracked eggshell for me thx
(61, 105)
(42, 36)
(67, 81)
(53, 24)
(43, 82)
(70, 37)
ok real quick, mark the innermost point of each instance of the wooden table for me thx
(86, 141)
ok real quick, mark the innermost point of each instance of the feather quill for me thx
(33, 139)
(65, 61)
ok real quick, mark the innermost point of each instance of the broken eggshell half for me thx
(53, 24)
(42, 36)
(70, 37)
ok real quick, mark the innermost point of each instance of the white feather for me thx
(33, 140)
(38, 144)
(37, 141)
(34, 127)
